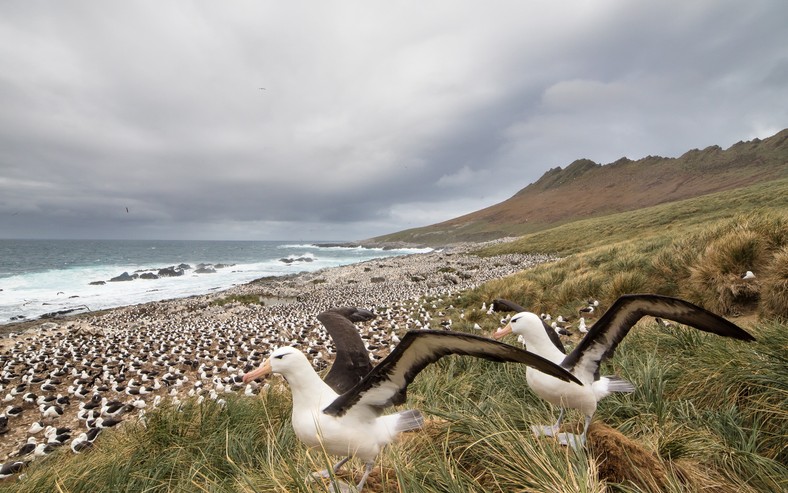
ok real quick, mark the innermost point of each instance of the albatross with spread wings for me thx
(599, 344)
(352, 423)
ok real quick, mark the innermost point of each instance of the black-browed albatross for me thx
(599, 343)
(351, 424)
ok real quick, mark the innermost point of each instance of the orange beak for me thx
(265, 369)
(503, 332)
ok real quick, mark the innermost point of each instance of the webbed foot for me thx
(544, 430)
(572, 440)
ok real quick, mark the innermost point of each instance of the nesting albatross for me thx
(599, 343)
(351, 424)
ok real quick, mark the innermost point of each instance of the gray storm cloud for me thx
(271, 120)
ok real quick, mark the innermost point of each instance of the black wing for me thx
(351, 363)
(603, 338)
(502, 305)
(388, 381)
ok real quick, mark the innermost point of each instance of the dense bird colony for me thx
(64, 383)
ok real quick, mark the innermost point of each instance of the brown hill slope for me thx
(586, 189)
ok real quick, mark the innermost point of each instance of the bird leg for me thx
(547, 430)
(367, 470)
(342, 487)
(573, 440)
(325, 474)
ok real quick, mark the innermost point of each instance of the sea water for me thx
(40, 277)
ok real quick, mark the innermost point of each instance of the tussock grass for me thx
(774, 287)
(709, 414)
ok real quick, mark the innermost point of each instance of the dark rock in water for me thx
(64, 312)
(335, 245)
(148, 275)
(98, 283)
(124, 277)
(184, 267)
(205, 270)
(18, 317)
(170, 272)
(299, 259)
(222, 266)
(73, 296)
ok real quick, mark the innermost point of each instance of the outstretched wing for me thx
(603, 338)
(418, 348)
(351, 363)
(502, 305)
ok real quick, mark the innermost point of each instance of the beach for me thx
(198, 347)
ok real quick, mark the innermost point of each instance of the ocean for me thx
(43, 277)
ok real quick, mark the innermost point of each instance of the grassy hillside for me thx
(708, 415)
(585, 189)
(696, 249)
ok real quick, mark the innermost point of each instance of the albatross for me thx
(352, 423)
(598, 344)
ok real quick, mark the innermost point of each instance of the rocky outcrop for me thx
(288, 260)
(124, 277)
(170, 272)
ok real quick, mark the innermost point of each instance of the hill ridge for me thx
(585, 189)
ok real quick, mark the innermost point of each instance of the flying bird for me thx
(600, 343)
(352, 424)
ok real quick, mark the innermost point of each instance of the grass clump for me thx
(774, 287)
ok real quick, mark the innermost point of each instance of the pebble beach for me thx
(104, 368)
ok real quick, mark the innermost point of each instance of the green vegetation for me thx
(709, 414)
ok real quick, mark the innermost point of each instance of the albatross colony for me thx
(120, 363)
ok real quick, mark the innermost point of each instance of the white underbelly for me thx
(561, 393)
(341, 436)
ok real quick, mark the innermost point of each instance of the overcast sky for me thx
(347, 120)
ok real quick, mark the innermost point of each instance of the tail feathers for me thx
(618, 384)
(409, 420)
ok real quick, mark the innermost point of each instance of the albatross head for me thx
(521, 324)
(281, 361)
(538, 337)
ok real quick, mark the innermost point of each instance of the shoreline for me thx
(201, 344)
(22, 325)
